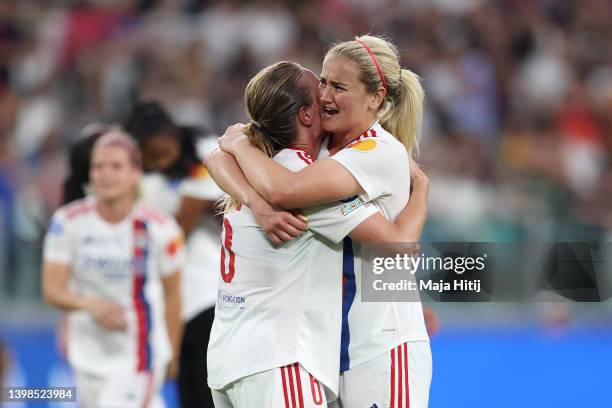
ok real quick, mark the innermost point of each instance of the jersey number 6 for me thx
(226, 252)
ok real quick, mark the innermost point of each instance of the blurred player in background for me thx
(114, 264)
(373, 110)
(279, 308)
(177, 182)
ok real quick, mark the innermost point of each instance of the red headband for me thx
(380, 71)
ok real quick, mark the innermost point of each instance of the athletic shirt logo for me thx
(365, 142)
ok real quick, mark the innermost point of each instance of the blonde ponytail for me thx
(257, 138)
(403, 116)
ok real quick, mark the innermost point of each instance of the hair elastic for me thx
(380, 71)
(261, 128)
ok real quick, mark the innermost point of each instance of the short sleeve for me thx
(372, 162)
(57, 244)
(172, 248)
(336, 220)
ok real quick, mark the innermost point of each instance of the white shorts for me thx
(120, 391)
(399, 378)
(282, 387)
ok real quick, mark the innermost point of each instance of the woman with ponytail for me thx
(372, 109)
(113, 263)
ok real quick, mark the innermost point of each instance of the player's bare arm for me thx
(55, 292)
(172, 295)
(279, 226)
(321, 182)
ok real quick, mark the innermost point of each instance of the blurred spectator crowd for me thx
(518, 132)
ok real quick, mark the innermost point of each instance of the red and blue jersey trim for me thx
(349, 288)
(141, 303)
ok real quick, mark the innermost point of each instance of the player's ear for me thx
(377, 98)
(305, 115)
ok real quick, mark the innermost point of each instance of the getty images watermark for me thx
(486, 272)
(410, 263)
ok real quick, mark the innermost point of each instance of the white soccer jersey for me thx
(380, 163)
(123, 263)
(199, 279)
(281, 305)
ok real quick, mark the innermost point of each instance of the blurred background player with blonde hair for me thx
(113, 263)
